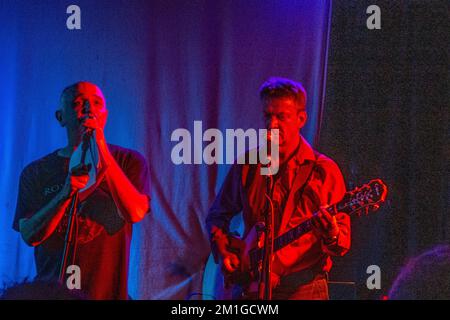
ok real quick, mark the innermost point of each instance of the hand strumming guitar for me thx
(228, 260)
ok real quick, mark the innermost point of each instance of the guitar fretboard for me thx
(367, 197)
(290, 236)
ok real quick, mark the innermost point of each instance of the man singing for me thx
(305, 182)
(103, 224)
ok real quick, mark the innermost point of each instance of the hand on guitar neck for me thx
(325, 226)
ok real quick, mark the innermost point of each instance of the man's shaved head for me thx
(69, 92)
(79, 101)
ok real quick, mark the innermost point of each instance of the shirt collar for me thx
(304, 153)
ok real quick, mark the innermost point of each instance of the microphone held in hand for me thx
(88, 131)
(85, 145)
(86, 156)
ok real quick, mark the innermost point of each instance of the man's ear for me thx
(59, 117)
(302, 118)
(104, 120)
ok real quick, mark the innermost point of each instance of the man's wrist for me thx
(217, 243)
(106, 158)
(217, 234)
(100, 135)
(331, 240)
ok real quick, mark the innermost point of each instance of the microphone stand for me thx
(265, 274)
(70, 240)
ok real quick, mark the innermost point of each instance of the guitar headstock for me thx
(364, 199)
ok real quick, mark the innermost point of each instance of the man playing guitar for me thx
(305, 183)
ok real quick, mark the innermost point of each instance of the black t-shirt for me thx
(104, 238)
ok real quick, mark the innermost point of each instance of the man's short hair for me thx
(276, 87)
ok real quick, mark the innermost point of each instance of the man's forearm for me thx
(43, 223)
(132, 204)
(341, 244)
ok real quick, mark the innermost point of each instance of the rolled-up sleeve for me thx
(228, 201)
(332, 191)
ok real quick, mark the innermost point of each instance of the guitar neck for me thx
(366, 197)
(286, 238)
(296, 232)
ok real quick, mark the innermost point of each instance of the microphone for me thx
(88, 131)
(86, 144)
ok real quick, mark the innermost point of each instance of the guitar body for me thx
(247, 274)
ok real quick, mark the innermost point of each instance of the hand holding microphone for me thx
(89, 124)
(84, 161)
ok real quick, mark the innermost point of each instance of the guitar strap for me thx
(302, 176)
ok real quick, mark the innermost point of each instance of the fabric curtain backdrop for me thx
(161, 65)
